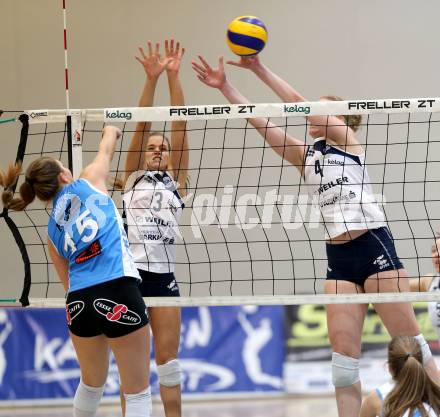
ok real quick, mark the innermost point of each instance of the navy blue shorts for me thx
(114, 308)
(158, 285)
(367, 255)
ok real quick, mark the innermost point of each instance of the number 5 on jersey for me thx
(82, 223)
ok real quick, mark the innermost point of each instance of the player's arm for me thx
(285, 145)
(421, 284)
(61, 264)
(330, 127)
(279, 86)
(371, 406)
(179, 156)
(153, 65)
(97, 172)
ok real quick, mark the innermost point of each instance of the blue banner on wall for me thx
(223, 349)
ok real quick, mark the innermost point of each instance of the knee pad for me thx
(169, 374)
(426, 351)
(87, 399)
(345, 370)
(139, 404)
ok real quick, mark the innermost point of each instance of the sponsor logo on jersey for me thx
(73, 310)
(118, 115)
(331, 184)
(337, 198)
(334, 162)
(153, 220)
(116, 312)
(381, 262)
(91, 252)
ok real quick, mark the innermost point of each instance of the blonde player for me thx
(411, 393)
(155, 183)
(360, 249)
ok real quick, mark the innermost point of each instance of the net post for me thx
(24, 298)
(74, 140)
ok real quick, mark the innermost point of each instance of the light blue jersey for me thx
(86, 229)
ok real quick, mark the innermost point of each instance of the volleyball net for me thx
(250, 233)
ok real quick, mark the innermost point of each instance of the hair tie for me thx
(407, 356)
(30, 181)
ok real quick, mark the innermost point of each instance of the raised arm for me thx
(97, 172)
(280, 87)
(179, 142)
(285, 145)
(331, 127)
(422, 284)
(153, 65)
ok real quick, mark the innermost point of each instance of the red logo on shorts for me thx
(69, 320)
(116, 314)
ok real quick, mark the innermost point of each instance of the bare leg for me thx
(93, 358)
(92, 354)
(165, 324)
(345, 322)
(133, 363)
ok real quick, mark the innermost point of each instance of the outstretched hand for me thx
(175, 54)
(153, 63)
(247, 62)
(212, 77)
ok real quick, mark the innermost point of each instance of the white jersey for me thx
(386, 388)
(339, 184)
(152, 209)
(434, 306)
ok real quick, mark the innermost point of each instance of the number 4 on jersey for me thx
(318, 169)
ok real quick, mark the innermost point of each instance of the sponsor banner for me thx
(240, 111)
(223, 350)
(308, 352)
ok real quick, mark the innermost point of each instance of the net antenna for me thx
(241, 246)
(73, 117)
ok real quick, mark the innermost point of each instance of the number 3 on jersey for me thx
(82, 223)
(318, 169)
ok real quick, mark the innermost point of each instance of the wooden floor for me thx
(280, 407)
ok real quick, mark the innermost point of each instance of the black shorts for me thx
(114, 308)
(367, 255)
(158, 285)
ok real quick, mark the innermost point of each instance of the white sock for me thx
(86, 401)
(138, 405)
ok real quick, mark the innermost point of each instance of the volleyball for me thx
(246, 36)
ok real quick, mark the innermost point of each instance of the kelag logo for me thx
(297, 109)
(118, 115)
